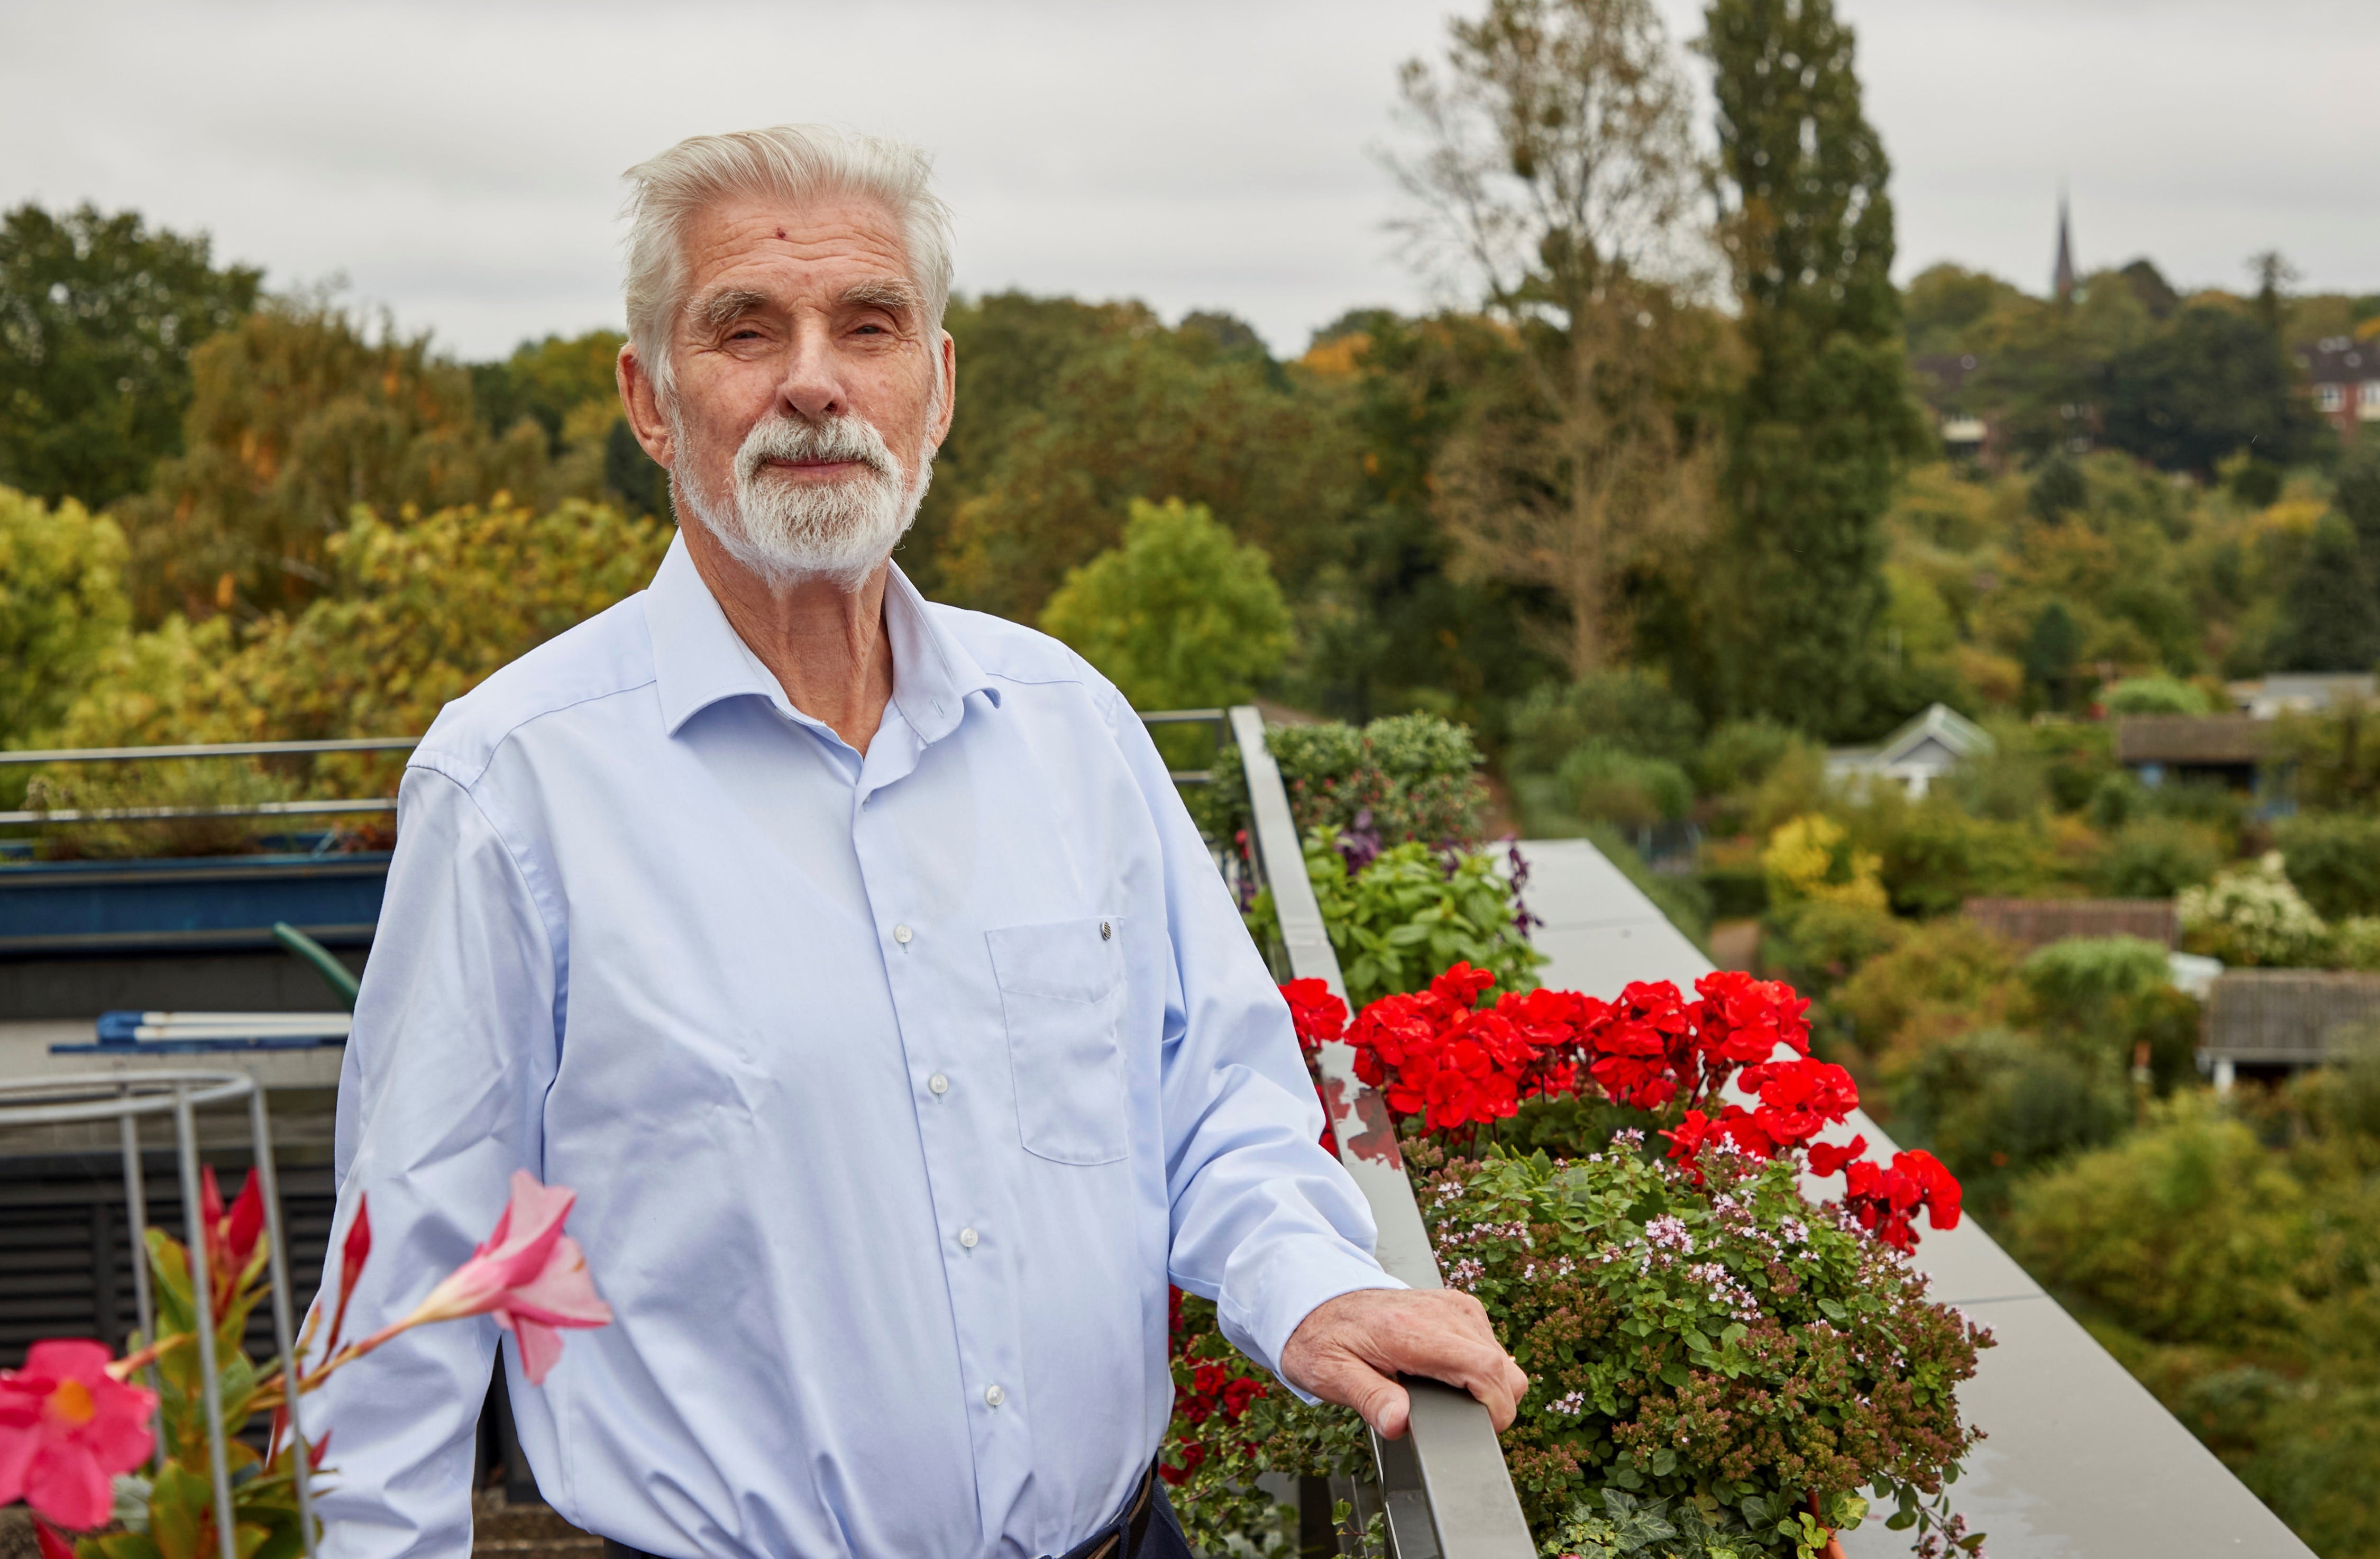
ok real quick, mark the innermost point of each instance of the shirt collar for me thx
(698, 658)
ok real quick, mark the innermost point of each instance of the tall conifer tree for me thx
(1824, 416)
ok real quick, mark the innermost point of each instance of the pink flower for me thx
(66, 1428)
(529, 1275)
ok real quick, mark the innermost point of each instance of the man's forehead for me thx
(782, 248)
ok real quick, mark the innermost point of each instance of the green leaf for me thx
(177, 1511)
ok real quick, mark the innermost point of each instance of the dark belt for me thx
(1146, 1530)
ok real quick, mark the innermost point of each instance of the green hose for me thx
(326, 964)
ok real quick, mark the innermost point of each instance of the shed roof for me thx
(2298, 1016)
(2190, 738)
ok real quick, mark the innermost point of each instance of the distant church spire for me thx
(2061, 281)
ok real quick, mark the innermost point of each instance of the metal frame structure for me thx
(126, 1098)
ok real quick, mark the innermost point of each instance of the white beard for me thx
(788, 531)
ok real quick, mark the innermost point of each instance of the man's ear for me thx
(946, 369)
(641, 401)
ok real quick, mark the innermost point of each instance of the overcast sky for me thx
(459, 163)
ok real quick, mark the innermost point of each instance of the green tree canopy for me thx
(98, 316)
(301, 412)
(411, 615)
(2214, 382)
(62, 606)
(1178, 616)
(2330, 619)
(1146, 412)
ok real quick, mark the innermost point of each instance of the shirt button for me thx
(939, 1084)
(993, 1396)
(902, 935)
(968, 1238)
(1106, 930)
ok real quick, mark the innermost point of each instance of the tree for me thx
(61, 606)
(2213, 381)
(1824, 416)
(2357, 499)
(411, 617)
(566, 387)
(2049, 651)
(1559, 172)
(1944, 305)
(98, 317)
(299, 413)
(2330, 619)
(1012, 349)
(1151, 413)
(1179, 616)
(1388, 623)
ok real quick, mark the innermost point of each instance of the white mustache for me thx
(836, 438)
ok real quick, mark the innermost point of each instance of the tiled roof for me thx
(2190, 738)
(2338, 359)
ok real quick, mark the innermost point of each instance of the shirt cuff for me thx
(1261, 1328)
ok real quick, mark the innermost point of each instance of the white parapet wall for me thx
(2080, 1461)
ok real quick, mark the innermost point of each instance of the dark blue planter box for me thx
(53, 909)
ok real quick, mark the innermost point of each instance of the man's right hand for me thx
(1350, 1351)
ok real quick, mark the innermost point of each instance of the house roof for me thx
(2190, 738)
(1942, 731)
(2289, 1014)
(2338, 359)
(2302, 691)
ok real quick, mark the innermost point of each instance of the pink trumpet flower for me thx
(66, 1427)
(529, 1275)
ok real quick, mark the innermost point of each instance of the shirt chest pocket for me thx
(1061, 991)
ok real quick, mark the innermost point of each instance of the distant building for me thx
(2342, 375)
(2287, 1018)
(2227, 748)
(1940, 379)
(2301, 692)
(1917, 754)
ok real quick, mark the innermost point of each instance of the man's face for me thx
(802, 331)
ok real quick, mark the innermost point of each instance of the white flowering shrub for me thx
(2252, 914)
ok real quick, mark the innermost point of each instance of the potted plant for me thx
(113, 1468)
(1718, 1367)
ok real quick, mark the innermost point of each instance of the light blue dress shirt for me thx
(892, 1088)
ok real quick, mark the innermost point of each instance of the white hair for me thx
(803, 163)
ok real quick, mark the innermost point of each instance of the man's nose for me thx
(812, 388)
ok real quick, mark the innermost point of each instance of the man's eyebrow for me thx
(730, 304)
(883, 292)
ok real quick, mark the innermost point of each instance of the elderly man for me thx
(856, 962)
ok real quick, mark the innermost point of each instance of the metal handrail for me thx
(187, 750)
(210, 750)
(1445, 1488)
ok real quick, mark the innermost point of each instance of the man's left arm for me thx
(1265, 1220)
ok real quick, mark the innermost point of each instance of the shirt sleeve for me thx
(1266, 1222)
(440, 1097)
